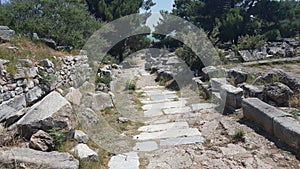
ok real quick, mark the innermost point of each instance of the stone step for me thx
(153, 112)
(124, 161)
(162, 96)
(163, 127)
(164, 105)
(173, 133)
(148, 101)
(179, 110)
(145, 146)
(152, 87)
(182, 141)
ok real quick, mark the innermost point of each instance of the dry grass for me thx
(295, 101)
(21, 47)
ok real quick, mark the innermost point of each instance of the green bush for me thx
(249, 42)
(130, 86)
(104, 79)
(272, 35)
(58, 136)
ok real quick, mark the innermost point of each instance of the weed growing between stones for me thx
(238, 136)
(58, 136)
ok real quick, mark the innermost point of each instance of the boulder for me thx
(41, 141)
(74, 96)
(81, 137)
(253, 91)
(18, 157)
(49, 42)
(34, 95)
(278, 75)
(246, 55)
(98, 101)
(88, 117)
(85, 153)
(5, 32)
(54, 111)
(237, 76)
(278, 93)
(232, 96)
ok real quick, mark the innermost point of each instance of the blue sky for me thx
(162, 5)
(165, 5)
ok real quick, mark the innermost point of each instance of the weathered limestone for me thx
(287, 129)
(182, 141)
(145, 146)
(81, 137)
(74, 96)
(172, 133)
(85, 153)
(253, 91)
(237, 76)
(125, 161)
(41, 141)
(216, 83)
(277, 93)
(17, 157)
(232, 96)
(261, 113)
(54, 111)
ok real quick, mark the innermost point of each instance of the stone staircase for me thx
(165, 128)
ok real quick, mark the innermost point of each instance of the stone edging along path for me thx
(274, 121)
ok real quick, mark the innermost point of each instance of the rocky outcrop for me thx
(278, 75)
(5, 33)
(41, 141)
(54, 111)
(20, 157)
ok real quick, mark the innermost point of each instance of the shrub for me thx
(130, 86)
(272, 35)
(104, 79)
(249, 42)
(58, 136)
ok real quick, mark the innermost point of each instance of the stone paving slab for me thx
(180, 103)
(202, 106)
(153, 87)
(162, 127)
(145, 146)
(168, 134)
(125, 161)
(180, 110)
(182, 141)
(153, 112)
(163, 97)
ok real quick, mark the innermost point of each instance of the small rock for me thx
(46, 63)
(74, 96)
(41, 141)
(80, 136)
(123, 120)
(85, 153)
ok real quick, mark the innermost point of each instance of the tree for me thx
(65, 21)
